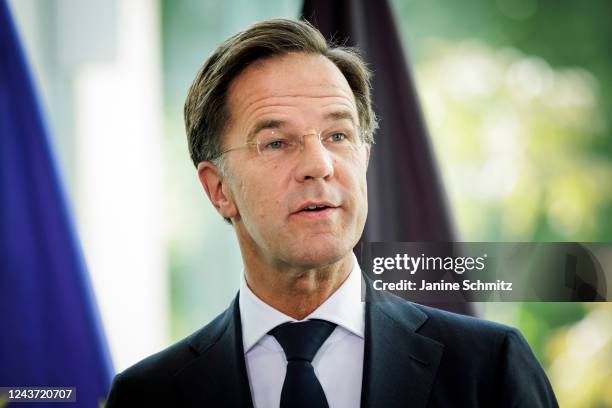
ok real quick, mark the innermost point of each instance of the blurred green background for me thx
(516, 95)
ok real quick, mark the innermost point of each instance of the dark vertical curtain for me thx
(405, 194)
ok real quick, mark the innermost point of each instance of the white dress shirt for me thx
(339, 362)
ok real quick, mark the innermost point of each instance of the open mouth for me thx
(315, 208)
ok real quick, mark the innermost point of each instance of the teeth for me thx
(314, 207)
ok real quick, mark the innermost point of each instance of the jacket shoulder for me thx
(469, 339)
(492, 357)
(442, 323)
(438, 324)
(151, 379)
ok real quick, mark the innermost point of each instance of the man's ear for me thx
(217, 189)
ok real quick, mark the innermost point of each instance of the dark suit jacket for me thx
(415, 356)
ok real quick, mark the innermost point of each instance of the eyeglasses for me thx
(280, 145)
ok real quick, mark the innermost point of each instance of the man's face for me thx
(267, 199)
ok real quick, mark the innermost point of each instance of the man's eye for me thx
(337, 137)
(275, 145)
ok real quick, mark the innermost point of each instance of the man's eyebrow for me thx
(277, 124)
(265, 124)
(341, 115)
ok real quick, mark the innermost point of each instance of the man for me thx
(280, 127)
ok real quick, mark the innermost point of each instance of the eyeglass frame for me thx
(255, 143)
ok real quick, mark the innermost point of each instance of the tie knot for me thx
(302, 340)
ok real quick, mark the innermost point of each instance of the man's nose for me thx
(314, 160)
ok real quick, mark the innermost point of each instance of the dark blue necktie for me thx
(301, 341)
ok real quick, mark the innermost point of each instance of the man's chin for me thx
(317, 257)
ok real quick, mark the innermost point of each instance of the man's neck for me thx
(297, 292)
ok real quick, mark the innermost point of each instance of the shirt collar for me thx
(344, 308)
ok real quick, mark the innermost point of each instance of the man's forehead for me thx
(295, 78)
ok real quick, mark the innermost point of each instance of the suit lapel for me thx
(217, 377)
(399, 364)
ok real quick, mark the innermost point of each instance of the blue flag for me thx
(50, 331)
